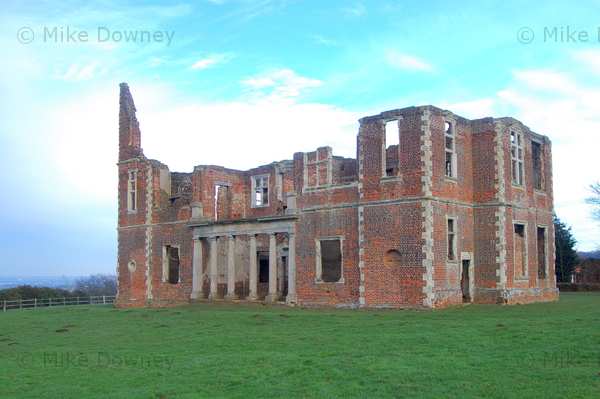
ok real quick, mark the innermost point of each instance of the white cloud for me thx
(554, 104)
(77, 72)
(239, 134)
(280, 84)
(258, 133)
(407, 62)
(590, 59)
(211, 61)
(546, 80)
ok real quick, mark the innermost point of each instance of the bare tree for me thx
(98, 284)
(594, 200)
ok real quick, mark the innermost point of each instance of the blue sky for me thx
(243, 83)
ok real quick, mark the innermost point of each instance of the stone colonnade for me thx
(273, 294)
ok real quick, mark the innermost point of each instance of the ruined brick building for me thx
(454, 211)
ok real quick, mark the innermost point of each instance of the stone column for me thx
(230, 268)
(291, 296)
(213, 268)
(272, 296)
(280, 275)
(253, 277)
(197, 275)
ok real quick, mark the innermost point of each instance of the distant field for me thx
(533, 351)
(66, 282)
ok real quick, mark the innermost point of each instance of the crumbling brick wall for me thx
(392, 222)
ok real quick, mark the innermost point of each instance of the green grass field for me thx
(539, 350)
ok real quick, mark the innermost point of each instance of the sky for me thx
(242, 83)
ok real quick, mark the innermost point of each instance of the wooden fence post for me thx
(104, 299)
(4, 306)
(64, 301)
(34, 303)
(20, 304)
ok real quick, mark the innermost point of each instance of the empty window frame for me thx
(451, 239)
(541, 252)
(329, 260)
(171, 264)
(450, 150)
(538, 166)
(391, 149)
(222, 202)
(132, 191)
(520, 250)
(260, 190)
(516, 156)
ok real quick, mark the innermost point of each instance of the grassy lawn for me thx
(540, 350)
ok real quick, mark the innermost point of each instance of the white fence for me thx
(36, 303)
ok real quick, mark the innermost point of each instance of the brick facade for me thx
(256, 234)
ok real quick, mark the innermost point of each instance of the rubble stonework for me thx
(323, 230)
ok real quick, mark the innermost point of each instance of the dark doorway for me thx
(263, 268)
(173, 259)
(465, 281)
(284, 285)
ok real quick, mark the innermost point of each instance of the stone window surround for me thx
(448, 119)
(541, 190)
(329, 165)
(455, 241)
(319, 266)
(132, 205)
(384, 146)
(520, 161)
(253, 179)
(524, 223)
(165, 262)
(546, 262)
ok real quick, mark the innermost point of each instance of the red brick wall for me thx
(311, 225)
(393, 216)
(393, 227)
(447, 273)
(132, 285)
(175, 235)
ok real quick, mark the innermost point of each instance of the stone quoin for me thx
(435, 210)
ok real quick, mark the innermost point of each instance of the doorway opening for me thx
(263, 267)
(465, 281)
